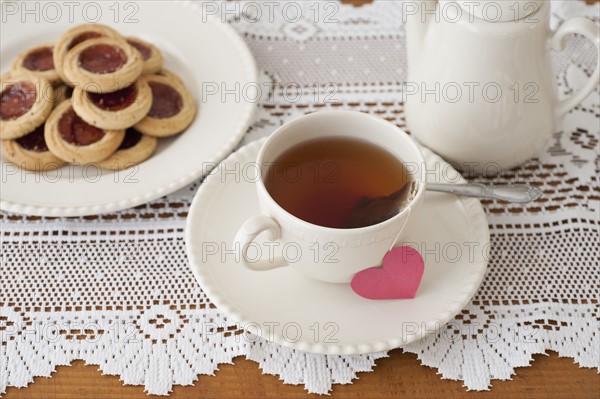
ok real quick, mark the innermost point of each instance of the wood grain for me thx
(399, 376)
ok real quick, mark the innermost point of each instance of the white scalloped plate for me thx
(283, 306)
(198, 51)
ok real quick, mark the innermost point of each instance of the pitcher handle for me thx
(589, 30)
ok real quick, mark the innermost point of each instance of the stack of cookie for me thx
(94, 97)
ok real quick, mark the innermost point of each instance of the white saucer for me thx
(283, 306)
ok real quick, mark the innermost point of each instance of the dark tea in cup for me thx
(335, 186)
(328, 181)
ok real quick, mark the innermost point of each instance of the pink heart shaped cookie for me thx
(399, 278)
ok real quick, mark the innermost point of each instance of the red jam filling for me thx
(115, 101)
(166, 101)
(144, 50)
(76, 131)
(102, 58)
(34, 141)
(16, 100)
(82, 37)
(39, 60)
(132, 138)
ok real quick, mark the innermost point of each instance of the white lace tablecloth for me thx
(115, 290)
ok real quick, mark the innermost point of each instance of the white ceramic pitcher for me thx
(481, 89)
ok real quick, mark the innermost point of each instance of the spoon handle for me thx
(515, 193)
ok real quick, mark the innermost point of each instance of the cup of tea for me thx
(327, 184)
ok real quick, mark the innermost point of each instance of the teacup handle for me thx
(248, 233)
(589, 30)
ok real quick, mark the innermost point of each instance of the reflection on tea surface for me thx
(323, 181)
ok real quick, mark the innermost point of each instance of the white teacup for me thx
(324, 253)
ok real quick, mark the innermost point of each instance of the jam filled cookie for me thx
(39, 62)
(135, 148)
(77, 35)
(73, 140)
(30, 152)
(7, 76)
(103, 65)
(152, 56)
(25, 102)
(172, 110)
(62, 93)
(116, 110)
(167, 73)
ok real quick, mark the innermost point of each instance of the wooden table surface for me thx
(399, 376)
